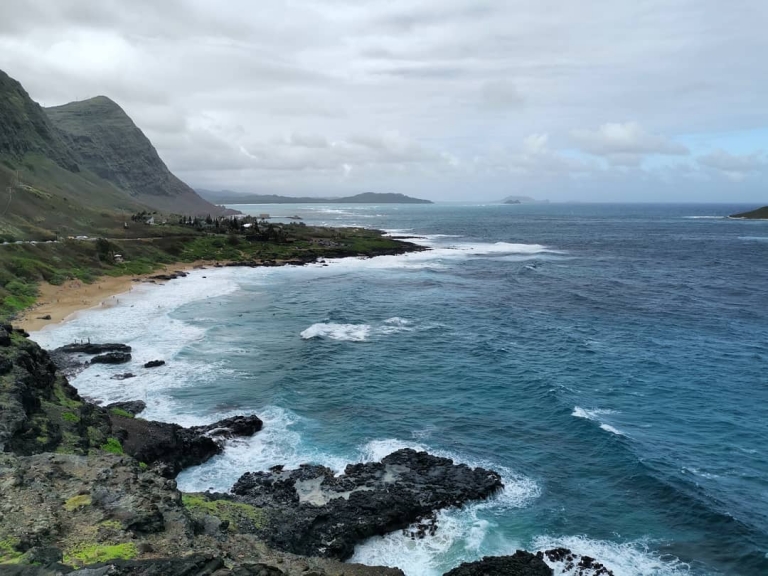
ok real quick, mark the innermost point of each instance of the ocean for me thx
(610, 361)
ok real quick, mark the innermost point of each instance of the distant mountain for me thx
(229, 197)
(108, 143)
(758, 214)
(523, 200)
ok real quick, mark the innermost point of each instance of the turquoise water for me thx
(610, 360)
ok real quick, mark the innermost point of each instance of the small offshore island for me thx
(757, 214)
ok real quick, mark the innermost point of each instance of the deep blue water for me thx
(610, 360)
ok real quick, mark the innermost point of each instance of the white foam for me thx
(356, 332)
(589, 414)
(611, 429)
(277, 443)
(704, 217)
(594, 415)
(461, 536)
(624, 559)
(333, 331)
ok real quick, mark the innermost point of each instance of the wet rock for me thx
(574, 563)
(173, 447)
(313, 512)
(123, 376)
(154, 363)
(92, 348)
(111, 358)
(519, 564)
(133, 407)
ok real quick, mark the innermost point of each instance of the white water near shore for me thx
(145, 319)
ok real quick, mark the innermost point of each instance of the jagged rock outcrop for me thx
(315, 513)
(519, 564)
(108, 143)
(39, 410)
(171, 447)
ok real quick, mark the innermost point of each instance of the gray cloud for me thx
(625, 139)
(439, 97)
(736, 167)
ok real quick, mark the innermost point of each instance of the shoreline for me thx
(56, 304)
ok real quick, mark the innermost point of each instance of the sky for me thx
(451, 100)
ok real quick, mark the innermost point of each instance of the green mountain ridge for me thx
(109, 144)
(60, 174)
(229, 197)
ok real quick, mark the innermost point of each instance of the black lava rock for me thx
(313, 512)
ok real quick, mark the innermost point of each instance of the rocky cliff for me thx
(108, 143)
(25, 128)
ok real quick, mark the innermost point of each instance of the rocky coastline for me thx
(89, 490)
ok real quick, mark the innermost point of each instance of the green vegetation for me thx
(77, 502)
(8, 552)
(112, 445)
(239, 516)
(121, 412)
(69, 417)
(85, 554)
(23, 266)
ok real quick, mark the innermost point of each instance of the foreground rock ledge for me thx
(312, 512)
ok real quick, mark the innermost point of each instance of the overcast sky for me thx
(601, 100)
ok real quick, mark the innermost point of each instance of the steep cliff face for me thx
(25, 128)
(108, 143)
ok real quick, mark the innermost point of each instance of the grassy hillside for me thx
(108, 143)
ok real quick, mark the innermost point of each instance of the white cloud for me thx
(623, 143)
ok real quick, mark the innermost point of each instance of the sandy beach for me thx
(56, 303)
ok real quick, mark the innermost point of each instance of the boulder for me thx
(123, 376)
(313, 512)
(111, 358)
(131, 406)
(154, 363)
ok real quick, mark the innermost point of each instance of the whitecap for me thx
(611, 429)
(333, 331)
(624, 559)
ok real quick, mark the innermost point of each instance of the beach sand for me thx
(62, 301)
